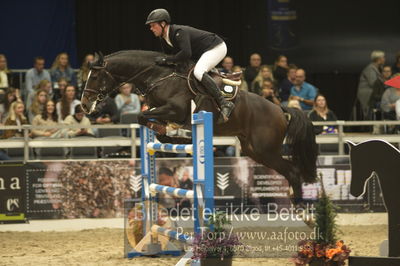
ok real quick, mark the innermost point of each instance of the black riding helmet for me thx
(158, 15)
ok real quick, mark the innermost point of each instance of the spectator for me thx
(61, 68)
(243, 84)
(280, 69)
(6, 77)
(379, 87)
(302, 91)
(287, 84)
(320, 113)
(388, 103)
(11, 95)
(62, 83)
(268, 92)
(127, 102)
(48, 117)
(38, 104)
(84, 71)
(78, 118)
(227, 65)
(251, 71)
(396, 65)
(106, 112)
(294, 104)
(15, 117)
(35, 75)
(43, 85)
(368, 77)
(66, 106)
(264, 73)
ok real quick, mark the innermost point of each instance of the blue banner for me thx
(281, 24)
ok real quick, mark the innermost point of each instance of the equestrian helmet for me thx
(158, 15)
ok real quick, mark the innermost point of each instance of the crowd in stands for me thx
(51, 97)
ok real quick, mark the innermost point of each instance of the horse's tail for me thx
(303, 150)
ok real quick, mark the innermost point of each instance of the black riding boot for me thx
(225, 106)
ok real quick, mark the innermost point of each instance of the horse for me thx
(260, 125)
(377, 157)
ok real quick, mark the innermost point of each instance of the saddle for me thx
(228, 83)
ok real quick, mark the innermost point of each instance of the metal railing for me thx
(120, 141)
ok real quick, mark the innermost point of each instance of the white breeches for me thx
(209, 59)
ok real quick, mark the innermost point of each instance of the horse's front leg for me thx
(157, 118)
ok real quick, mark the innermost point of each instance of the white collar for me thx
(167, 37)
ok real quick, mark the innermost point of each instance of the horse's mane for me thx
(143, 57)
(136, 53)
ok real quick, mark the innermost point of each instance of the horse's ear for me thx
(350, 144)
(101, 58)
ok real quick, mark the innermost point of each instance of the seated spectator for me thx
(396, 65)
(388, 103)
(252, 70)
(84, 72)
(106, 112)
(35, 75)
(6, 77)
(62, 83)
(264, 73)
(302, 91)
(61, 68)
(126, 101)
(38, 104)
(43, 85)
(243, 85)
(78, 118)
(320, 113)
(287, 84)
(268, 92)
(367, 79)
(48, 117)
(280, 69)
(227, 65)
(294, 104)
(11, 95)
(15, 117)
(379, 87)
(66, 106)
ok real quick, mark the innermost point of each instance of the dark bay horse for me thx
(383, 159)
(260, 125)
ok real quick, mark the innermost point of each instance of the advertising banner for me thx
(12, 192)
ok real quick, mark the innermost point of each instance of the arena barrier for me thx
(156, 240)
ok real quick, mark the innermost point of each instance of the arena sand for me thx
(105, 247)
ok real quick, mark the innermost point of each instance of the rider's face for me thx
(156, 28)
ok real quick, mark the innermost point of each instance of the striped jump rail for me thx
(167, 147)
(173, 191)
(171, 234)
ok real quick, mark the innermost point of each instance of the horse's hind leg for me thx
(270, 156)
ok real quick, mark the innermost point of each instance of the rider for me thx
(184, 43)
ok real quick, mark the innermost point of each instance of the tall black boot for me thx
(212, 88)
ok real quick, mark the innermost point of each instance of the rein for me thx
(102, 92)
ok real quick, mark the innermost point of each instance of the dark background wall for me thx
(32, 28)
(333, 39)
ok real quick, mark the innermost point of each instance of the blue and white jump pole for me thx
(203, 179)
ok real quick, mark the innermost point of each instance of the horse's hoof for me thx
(222, 119)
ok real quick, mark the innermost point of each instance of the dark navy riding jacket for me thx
(188, 43)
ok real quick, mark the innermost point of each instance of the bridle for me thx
(102, 92)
